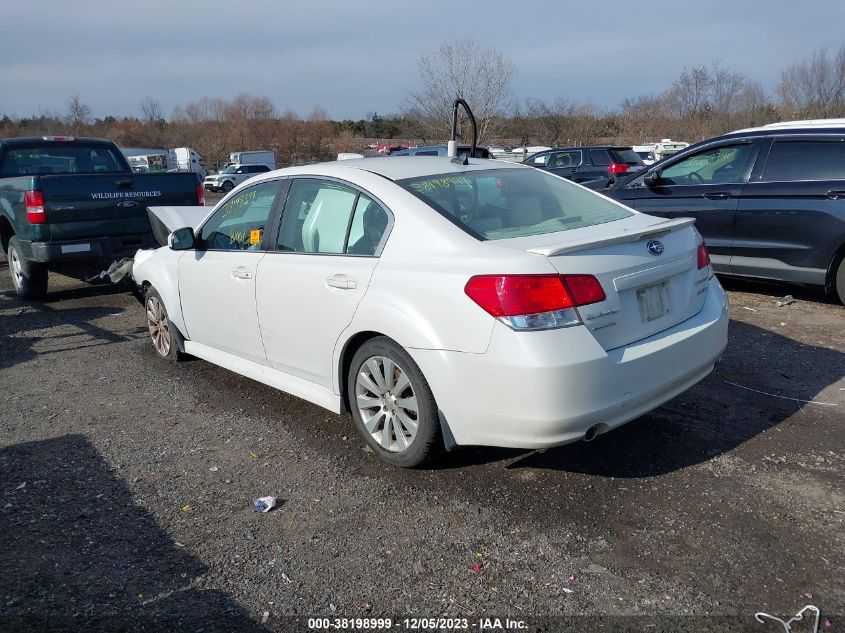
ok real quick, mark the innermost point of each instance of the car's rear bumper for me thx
(543, 389)
(94, 249)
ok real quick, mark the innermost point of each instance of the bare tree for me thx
(815, 87)
(78, 113)
(459, 69)
(151, 110)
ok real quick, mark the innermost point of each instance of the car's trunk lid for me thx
(647, 267)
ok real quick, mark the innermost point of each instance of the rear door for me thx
(791, 216)
(704, 185)
(311, 282)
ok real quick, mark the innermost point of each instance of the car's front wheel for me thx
(839, 280)
(392, 404)
(228, 186)
(163, 335)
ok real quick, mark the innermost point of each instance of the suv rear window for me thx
(805, 160)
(626, 155)
(60, 158)
(496, 204)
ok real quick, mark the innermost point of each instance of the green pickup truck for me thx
(73, 205)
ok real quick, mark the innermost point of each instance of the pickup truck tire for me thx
(165, 338)
(28, 277)
(228, 186)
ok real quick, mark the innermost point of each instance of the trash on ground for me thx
(749, 309)
(265, 504)
(264, 617)
(785, 301)
(774, 395)
(214, 469)
(117, 271)
(567, 590)
(572, 577)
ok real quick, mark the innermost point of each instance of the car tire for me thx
(384, 385)
(228, 186)
(166, 339)
(839, 281)
(28, 277)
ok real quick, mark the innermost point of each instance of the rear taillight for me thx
(34, 201)
(703, 256)
(534, 302)
(200, 196)
(618, 168)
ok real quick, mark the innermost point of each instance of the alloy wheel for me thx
(387, 404)
(159, 326)
(16, 267)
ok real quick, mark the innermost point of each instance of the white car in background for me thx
(441, 301)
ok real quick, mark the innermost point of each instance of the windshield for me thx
(60, 158)
(230, 169)
(497, 204)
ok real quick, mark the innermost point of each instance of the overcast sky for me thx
(353, 58)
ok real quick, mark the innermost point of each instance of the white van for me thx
(186, 159)
(253, 158)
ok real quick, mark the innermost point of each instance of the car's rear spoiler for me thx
(165, 220)
(627, 235)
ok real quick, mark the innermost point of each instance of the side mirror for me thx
(181, 239)
(652, 178)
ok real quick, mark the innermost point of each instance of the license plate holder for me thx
(653, 301)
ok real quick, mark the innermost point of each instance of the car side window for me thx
(239, 224)
(600, 157)
(368, 226)
(316, 217)
(805, 160)
(542, 159)
(426, 153)
(566, 159)
(718, 165)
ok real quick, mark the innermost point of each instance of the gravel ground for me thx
(126, 486)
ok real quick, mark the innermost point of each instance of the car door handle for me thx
(721, 195)
(344, 282)
(835, 195)
(242, 273)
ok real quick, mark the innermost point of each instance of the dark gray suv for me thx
(769, 201)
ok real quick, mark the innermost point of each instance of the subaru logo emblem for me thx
(128, 204)
(655, 247)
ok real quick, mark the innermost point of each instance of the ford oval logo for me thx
(128, 204)
(655, 247)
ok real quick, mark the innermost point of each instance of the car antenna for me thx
(452, 147)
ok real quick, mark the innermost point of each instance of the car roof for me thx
(833, 125)
(392, 169)
(26, 140)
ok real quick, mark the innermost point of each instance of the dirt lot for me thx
(126, 486)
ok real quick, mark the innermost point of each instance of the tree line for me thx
(703, 101)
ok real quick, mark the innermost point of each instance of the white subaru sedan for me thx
(443, 302)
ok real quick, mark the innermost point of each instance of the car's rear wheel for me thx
(28, 277)
(163, 335)
(228, 186)
(392, 404)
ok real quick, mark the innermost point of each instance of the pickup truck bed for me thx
(77, 223)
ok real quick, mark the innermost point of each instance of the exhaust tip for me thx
(591, 433)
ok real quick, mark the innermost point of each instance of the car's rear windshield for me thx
(497, 204)
(627, 155)
(60, 158)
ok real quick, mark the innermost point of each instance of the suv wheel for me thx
(28, 277)
(392, 404)
(839, 280)
(228, 186)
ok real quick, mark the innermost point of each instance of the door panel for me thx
(305, 301)
(705, 185)
(217, 290)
